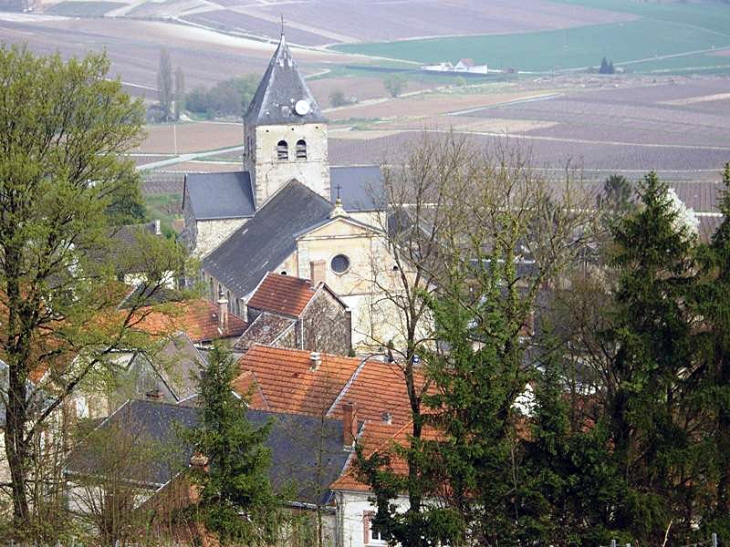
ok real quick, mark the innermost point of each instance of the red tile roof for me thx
(197, 318)
(282, 294)
(288, 383)
(379, 437)
(379, 388)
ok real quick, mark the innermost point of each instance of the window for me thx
(340, 264)
(212, 290)
(230, 304)
(372, 536)
(282, 151)
(301, 149)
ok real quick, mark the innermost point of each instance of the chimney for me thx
(349, 424)
(387, 418)
(222, 312)
(317, 272)
(154, 395)
(198, 463)
(315, 359)
(158, 228)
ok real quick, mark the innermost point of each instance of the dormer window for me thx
(301, 149)
(282, 151)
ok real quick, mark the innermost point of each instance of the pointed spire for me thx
(282, 96)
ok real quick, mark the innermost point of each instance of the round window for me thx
(340, 264)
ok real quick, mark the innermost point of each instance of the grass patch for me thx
(556, 50)
(83, 9)
(165, 207)
(712, 16)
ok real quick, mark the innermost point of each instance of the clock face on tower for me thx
(302, 107)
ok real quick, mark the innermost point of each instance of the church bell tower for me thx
(285, 132)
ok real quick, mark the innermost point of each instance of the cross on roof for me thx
(282, 24)
(338, 188)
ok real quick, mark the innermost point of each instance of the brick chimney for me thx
(154, 395)
(222, 312)
(349, 424)
(317, 272)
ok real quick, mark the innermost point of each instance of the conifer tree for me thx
(237, 501)
(652, 334)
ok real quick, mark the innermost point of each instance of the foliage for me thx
(179, 92)
(227, 98)
(394, 84)
(61, 183)
(237, 501)
(337, 98)
(165, 92)
(606, 67)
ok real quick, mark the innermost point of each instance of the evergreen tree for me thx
(652, 334)
(237, 501)
(713, 399)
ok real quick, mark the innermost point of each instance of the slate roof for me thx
(266, 240)
(280, 89)
(264, 330)
(361, 187)
(283, 294)
(293, 445)
(220, 195)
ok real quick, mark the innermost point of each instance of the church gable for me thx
(339, 227)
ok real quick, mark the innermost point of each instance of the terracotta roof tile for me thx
(379, 437)
(379, 388)
(288, 383)
(197, 318)
(282, 294)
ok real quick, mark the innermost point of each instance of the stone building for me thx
(288, 208)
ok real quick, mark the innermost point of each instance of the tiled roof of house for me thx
(379, 437)
(376, 389)
(197, 318)
(283, 294)
(289, 383)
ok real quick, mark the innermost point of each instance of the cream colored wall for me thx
(269, 173)
(211, 233)
(375, 321)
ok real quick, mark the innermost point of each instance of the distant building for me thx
(464, 66)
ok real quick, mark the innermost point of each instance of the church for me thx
(288, 211)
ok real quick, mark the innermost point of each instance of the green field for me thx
(661, 30)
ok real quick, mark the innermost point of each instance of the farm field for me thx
(575, 48)
(133, 47)
(190, 137)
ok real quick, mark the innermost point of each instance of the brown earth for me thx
(191, 137)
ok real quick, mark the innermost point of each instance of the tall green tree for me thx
(652, 333)
(179, 92)
(64, 126)
(165, 91)
(237, 501)
(713, 399)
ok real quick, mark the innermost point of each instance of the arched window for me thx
(301, 149)
(212, 290)
(230, 304)
(282, 151)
